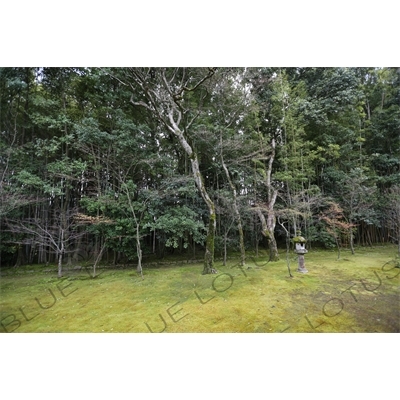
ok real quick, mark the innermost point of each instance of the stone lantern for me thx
(300, 249)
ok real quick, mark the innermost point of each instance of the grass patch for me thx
(357, 293)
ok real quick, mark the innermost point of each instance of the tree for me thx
(175, 215)
(58, 233)
(232, 104)
(174, 98)
(335, 223)
(15, 99)
(237, 214)
(393, 214)
(268, 224)
(269, 130)
(177, 157)
(358, 198)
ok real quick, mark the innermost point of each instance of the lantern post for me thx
(300, 249)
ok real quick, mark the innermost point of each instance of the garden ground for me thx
(358, 293)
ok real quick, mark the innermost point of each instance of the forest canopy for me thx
(120, 163)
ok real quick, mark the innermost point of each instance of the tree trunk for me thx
(60, 254)
(338, 247)
(210, 240)
(273, 249)
(225, 248)
(20, 257)
(268, 228)
(75, 257)
(139, 253)
(209, 253)
(60, 265)
(351, 239)
(287, 247)
(398, 242)
(237, 214)
(268, 225)
(163, 103)
(271, 219)
(137, 223)
(98, 258)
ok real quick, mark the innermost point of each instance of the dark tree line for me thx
(120, 163)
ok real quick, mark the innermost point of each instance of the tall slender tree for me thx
(175, 97)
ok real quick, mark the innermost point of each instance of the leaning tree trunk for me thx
(267, 229)
(98, 258)
(212, 223)
(273, 248)
(162, 97)
(237, 214)
(209, 253)
(139, 268)
(268, 225)
(271, 219)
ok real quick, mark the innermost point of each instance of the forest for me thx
(124, 165)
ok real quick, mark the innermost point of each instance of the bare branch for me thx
(211, 72)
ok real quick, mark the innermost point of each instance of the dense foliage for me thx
(120, 163)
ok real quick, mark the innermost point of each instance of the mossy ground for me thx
(358, 293)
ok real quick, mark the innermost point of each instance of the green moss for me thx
(260, 299)
(299, 238)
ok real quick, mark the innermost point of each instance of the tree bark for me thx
(271, 218)
(351, 239)
(60, 265)
(98, 258)
(237, 214)
(268, 224)
(209, 253)
(60, 253)
(267, 229)
(163, 103)
(139, 253)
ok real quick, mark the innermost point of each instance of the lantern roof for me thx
(299, 238)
